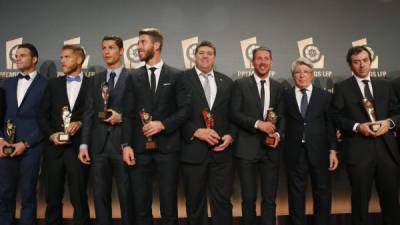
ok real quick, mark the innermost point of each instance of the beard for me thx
(149, 53)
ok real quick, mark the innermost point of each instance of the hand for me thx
(19, 149)
(3, 144)
(128, 156)
(277, 139)
(74, 127)
(115, 118)
(227, 141)
(385, 126)
(333, 160)
(54, 138)
(152, 128)
(338, 135)
(207, 135)
(83, 156)
(266, 127)
(364, 129)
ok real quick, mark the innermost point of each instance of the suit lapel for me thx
(64, 93)
(293, 104)
(34, 82)
(81, 95)
(14, 84)
(219, 83)
(162, 79)
(197, 85)
(377, 94)
(313, 102)
(254, 90)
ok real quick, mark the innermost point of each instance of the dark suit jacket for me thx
(170, 105)
(348, 110)
(246, 110)
(25, 116)
(317, 126)
(55, 98)
(94, 131)
(194, 150)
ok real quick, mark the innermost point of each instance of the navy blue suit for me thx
(22, 170)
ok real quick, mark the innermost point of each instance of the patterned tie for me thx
(22, 76)
(111, 80)
(304, 102)
(367, 92)
(206, 87)
(262, 96)
(153, 80)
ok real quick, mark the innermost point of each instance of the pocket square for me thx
(166, 84)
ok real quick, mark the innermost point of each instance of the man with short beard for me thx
(65, 96)
(20, 169)
(156, 89)
(252, 97)
(102, 131)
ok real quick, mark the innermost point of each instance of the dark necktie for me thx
(111, 80)
(304, 103)
(262, 95)
(21, 76)
(153, 80)
(367, 92)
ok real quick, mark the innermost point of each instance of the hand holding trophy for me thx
(105, 94)
(10, 130)
(370, 110)
(272, 118)
(209, 121)
(66, 118)
(146, 118)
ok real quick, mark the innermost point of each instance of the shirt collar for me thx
(359, 80)
(211, 73)
(308, 89)
(116, 71)
(32, 75)
(157, 66)
(258, 79)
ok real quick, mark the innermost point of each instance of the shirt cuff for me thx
(392, 124)
(355, 127)
(83, 147)
(256, 124)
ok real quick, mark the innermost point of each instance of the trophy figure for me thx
(370, 110)
(105, 94)
(272, 118)
(10, 130)
(209, 120)
(146, 118)
(66, 117)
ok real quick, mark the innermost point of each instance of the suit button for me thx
(305, 124)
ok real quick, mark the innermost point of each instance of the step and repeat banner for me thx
(320, 30)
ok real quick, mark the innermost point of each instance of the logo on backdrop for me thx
(375, 59)
(188, 47)
(11, 49)
(131, 56)
(247, 46)
(309, 50)
(77, 41)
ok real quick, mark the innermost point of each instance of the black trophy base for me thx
(104, 115)
(150, 145)
(374, 127)
(269, 141)
(63, 138)
(7, 151)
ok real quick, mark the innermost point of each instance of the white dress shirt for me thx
(73, 91)
(299, 95)
(213, 84)
(157, 72)
(266, 91)
(361, 84)
(23, 85)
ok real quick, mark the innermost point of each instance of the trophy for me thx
(10, 130)
(105, 94)
(271, 117)
(209, 120)
(370, 110)
(66, 117)
(145, 117)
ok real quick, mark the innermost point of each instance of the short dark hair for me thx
(205, 44)
(254, 52)
(154, 33)
(76, 49)
(355, 51)
(118, 41)
(31, 47)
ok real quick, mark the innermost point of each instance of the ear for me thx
(35, 60)
(121, 51)
(80, 60)
(157, 46)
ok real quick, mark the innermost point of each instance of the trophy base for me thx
(269, 141)
(220, 141)
(375, 127)
(104, 115)
(63, 138)
(150, 145)
(8, 150)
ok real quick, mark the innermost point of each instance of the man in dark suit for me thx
(206, 150)
(61, 113)
(101, 134)
(251, 99)
(157, 89)
(20, 170)
(310, 147)
(370, 150)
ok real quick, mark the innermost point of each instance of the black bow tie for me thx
(21, 76)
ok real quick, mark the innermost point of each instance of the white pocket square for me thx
(166, 84)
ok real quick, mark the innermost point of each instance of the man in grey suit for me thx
(102, 131)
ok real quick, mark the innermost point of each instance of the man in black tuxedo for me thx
(310, 147)
(61, 113)
(252, 97)
(370, 150)
(156, 89)
(101, 134)
(206, 150)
